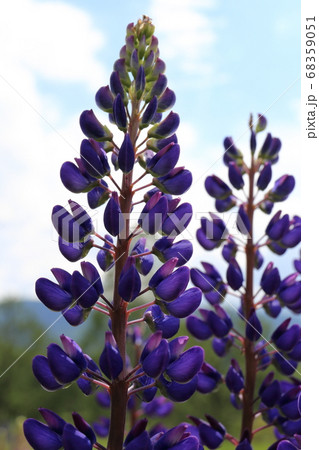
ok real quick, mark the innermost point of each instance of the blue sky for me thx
(224, 60)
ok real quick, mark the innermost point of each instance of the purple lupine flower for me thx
(126, 156)
(119, 114)
(83, 427)
(266, 206)
(177, 392)
(253, 142)
(92, 128)
(110, 360)
(173, 285)
(86, 386)
(211, 433)
(176, 347)
(270, 279)
(102, 426)
(264, 177)
(165, 249)
(42, 372)
(73, 438)
(149, 113)
(208, 378)
(263, 355)
(177, 220)
(176, 182)
(266, 146)
(75, 251)
(295, 353)
(253, 327)
(164, 271)
(104, 258)
(232, 153)
(157, 320)
(211, 280)
(160, 406)
(219, 321)
(164, 160)
(158, 144)
(235, 176)
(104, 99)
(272, 308)
(243, 222)
(94, 159)
(216, 188)
(158, 87)
(165, 128)
(226, 204)
(156, 361)
(222, 345)
(211, 233)
(234, 275)
(75, 178)
(144, 263)
(115, 82)
(259, 259)
(66, 366)
(289, 403)
(153, 213)
(83, 291)
(139, 82)
(234, 377)
(244, 445)
(286, 338)
(40, 436)
(52, 295)
(72, 228)
(277, 226)
(284, 365)
(198, 328)
(282, 188)
(130, 282)
(261, 123)
(138, 437)
(185, 304)
(269, 390)
(230, 249)
(98, 195)
(113, 217)
(187, 365)
(166, 100)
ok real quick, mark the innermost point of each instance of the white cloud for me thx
(55, 40)
(186, 33)
(51, 41)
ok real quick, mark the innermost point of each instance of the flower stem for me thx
(137, 308)
(248, 304)
(119, 387)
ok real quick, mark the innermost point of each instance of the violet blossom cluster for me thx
(277, 399)
(135, 102)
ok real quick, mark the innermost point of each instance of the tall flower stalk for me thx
(282, 348)
(135, 100)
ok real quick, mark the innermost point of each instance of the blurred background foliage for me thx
(27, 327)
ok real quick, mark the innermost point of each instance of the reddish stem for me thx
(137, 308)
(248, 304)
(119, 387)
